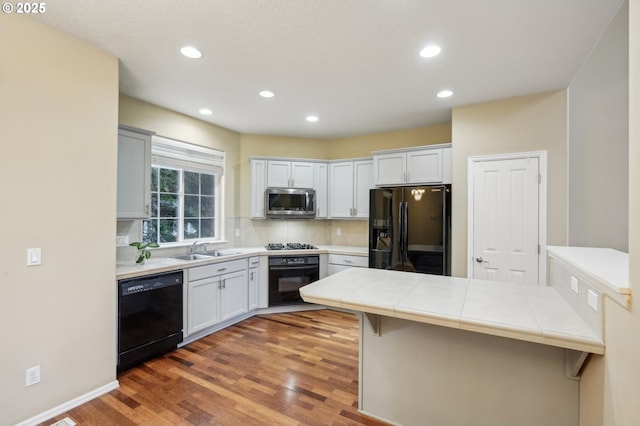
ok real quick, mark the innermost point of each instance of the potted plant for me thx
(143, 251)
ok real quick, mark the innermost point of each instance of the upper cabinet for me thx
(423, 165)
(349, 184)
(258, 185)
(290, 174)
(134, 173)
(322, 190)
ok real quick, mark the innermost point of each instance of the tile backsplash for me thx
(245, 232)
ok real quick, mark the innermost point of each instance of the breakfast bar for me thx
(457, 351)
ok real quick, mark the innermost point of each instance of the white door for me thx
(505, 220)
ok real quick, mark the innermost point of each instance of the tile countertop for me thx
(528, 313)
(155, 265)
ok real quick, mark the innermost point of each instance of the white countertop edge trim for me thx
(619, 294)
(540, 336)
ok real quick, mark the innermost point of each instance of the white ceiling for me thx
(353, 63)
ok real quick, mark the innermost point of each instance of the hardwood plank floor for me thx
(297, 368)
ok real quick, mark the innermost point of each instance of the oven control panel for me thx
(294, 260)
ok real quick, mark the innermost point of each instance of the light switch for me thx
(574, 284)
(592, 299)
(34, 256)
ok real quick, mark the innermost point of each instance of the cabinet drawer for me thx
(254, 261)
(200, 272)
(346, 260)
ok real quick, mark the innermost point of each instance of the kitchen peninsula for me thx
(456, 351)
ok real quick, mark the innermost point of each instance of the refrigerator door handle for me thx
(405, 231)
(401, 230)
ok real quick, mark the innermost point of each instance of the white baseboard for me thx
(43, 417)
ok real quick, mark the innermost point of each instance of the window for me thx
(185, 193)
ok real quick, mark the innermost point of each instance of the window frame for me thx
(185, 157)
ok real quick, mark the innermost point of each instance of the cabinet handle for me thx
(251, 276)
(222, 269)
(348, 261)
(224, 284)
(146, 209)
(355, 211)
(219, 285)
(408, 177)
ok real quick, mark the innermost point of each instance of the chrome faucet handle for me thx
(193, 246)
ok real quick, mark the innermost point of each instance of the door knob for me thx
(479, 259)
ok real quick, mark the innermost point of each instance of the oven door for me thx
(285, 282)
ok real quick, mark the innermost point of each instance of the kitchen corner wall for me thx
(528, 123)
(59, 109)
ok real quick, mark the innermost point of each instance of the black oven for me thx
(287, 274)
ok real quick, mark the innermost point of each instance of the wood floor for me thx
(296, 368)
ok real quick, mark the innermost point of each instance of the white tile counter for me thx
(497, 352)
(158, 264)
(532, 314)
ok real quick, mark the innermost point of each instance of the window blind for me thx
(181, 155)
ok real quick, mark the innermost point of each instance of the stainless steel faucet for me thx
(193, 247)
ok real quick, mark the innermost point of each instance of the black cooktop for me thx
(290, 246)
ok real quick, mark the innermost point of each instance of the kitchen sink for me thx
(192, 256)
(216, 253)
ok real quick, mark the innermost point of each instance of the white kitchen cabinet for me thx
(215, 293)
(258, 185)
(290, 174)
(134, 173)
(322, 190)
(349, 184)
(427, 165)
(233, 297)
(340, 262)
(254, 282)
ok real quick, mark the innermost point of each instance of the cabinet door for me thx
(233, 295)
(258, 185)
(363, 181)
(202, 296)
(389, 169)
(302, 175)
(134, 175)
(254, 279)
(322, 182)
(424, 166)
(278, 174)
(341, 189)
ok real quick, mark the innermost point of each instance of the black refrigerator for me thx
(410, 229)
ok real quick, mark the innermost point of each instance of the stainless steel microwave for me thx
(290, 203)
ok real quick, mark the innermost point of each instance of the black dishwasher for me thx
(149, 317)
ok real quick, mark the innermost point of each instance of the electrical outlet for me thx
(338, 232)
(592, 299)
(237, 232)
(574, 284)
(33, 375)
(34, 256)
(122, 240)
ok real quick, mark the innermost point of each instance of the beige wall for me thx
(528, 123)
(171, 124)
(362, 146)
(610, 384)
(599, 143)
(59, 109)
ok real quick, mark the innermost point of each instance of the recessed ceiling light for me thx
(191, 52)
(444, 93)
(312, 118)
(430, 51)
(267, 94)
(205, 111)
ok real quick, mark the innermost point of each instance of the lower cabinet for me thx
(254, 282)
(340, 262)
(216, 293)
